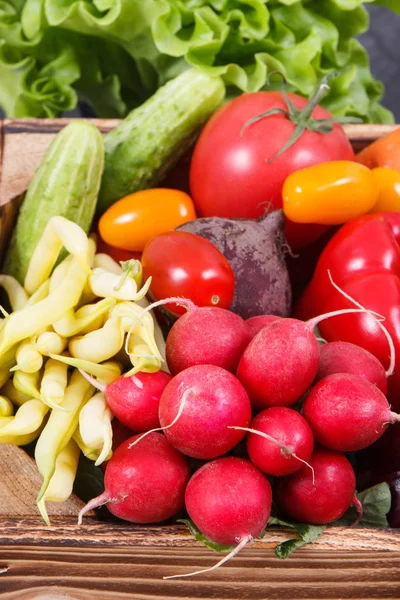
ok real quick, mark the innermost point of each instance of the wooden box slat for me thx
(112, 560)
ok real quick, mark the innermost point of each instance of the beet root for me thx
(254, 250)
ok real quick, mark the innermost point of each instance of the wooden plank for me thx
(20, 483)
(104, 561)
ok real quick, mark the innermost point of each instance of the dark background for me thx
(383, 44)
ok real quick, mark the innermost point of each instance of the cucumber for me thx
(154, 136)
(66, 183)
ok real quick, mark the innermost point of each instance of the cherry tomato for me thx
(134, 220)
(388, 182)
(184, 264)
(235, 172)
(331, 193)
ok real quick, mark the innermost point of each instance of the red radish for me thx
(347, 412)
(287, 443)
(343, 357)
(281, 361)
(229, 500)
(206, 336)
(135, 400)
(207, 399)
(145, 483)
(255, 324)
(324, 499)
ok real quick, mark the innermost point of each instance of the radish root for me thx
(286, 450)
(96, 384)
(178, 415)
(243, 542)
(185, 302)
(359, 508)
(101, 500)
(373, 314)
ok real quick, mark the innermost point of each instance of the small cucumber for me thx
(66, 183)
(155, 135)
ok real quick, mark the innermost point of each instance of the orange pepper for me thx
(136, 219)
(388, 182)
(330, 193)
(384, 152)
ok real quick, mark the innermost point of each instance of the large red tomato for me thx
(234, 172)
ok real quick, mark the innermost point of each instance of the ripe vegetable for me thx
(279, 364)
(229, 500)
(184, 264)
(331, 193)
(255, 324)
(343, 357)
(65, 185)
(144, 483)
(153, 136)
(254, 160)
(319, 496)
(384, 152)
(206, 336)
(135, 400)
(347, 412)
(208, 399)
(388, 183)
(287, 445)
(363, 258)
(255, 252)
(136, 219)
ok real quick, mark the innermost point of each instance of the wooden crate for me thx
(110, 560)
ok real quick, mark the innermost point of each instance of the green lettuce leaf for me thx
(120, 51)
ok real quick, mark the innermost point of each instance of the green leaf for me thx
(306, 533)
(196, 533)
(376, 502)
(392, 4)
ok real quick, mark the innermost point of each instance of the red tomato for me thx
(186, 265)
(232, 174)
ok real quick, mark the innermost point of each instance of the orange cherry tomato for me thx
(388, 182)
(330, 193)
(136, 219)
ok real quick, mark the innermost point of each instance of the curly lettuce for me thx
(113, 54)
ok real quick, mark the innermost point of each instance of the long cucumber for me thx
(66, 184)
(155, 135)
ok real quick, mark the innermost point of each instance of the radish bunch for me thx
(235, 383)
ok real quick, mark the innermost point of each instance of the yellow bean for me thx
(90, 453)
(59, 232)
(106, 372)
(28, 383)
(85, 318)
(99, 345)
(105, 262)
(19, 440)
(54, 383)
(60, 428)
(109, 285)
(17, 296)
(6, 407)
(5, 375)
(13, 394)
(141, 358)
(40, 294)
(50, 342)
(26, 322)
(28, 419)
(158, 334)
(136, 323)
(95, 426)
(28, 358)
(61, 484)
